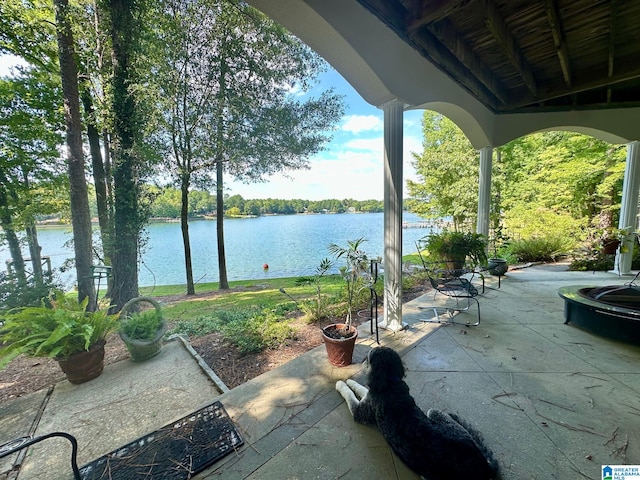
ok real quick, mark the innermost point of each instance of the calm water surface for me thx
(292, 245)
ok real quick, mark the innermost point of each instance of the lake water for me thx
(292, 245)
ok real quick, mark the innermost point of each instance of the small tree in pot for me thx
(340, 338)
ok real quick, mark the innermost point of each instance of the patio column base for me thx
(393, 325)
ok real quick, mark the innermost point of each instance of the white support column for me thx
(629, 208)
(484, 191)
(393, 133)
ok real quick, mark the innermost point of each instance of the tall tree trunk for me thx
(127, 222)
(99, 177)
(100, 183)
(32, 239)
(34, 253)
(184, 224)
(80, 213)
(222, 260)
(6, 222)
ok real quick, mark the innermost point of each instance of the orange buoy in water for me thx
(265, 266)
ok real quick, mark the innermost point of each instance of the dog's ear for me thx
(385, 368)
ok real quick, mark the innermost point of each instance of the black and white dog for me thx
(437, 445)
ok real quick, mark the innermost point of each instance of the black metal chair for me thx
(458, 288)
(452, 284)
(24, 442)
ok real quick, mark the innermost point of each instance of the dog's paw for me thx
(353, 384)
(340, 385)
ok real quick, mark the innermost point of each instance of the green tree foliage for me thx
(560, 185)
(561, 182)
(31, 174)
(228, 108)
(167, 204)
(447, 170)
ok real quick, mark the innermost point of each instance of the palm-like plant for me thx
(353, 272)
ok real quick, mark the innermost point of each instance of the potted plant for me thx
(62, 329)
(496, 265)
(142, 330)
(612, 238)
(340, 338)
(454, 248)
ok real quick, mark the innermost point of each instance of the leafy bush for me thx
(455, 246)
(591, 258)
(526, 222)
(14, 295)
(539, 249)
(317, 308)
(252, 330)
(142, 325)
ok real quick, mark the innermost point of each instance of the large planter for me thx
(84, 366)
(609, 247)
(497, 266)
(339, 350)
(143, 349)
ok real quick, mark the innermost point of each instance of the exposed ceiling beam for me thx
(430, 47)
(440, 55)
(433, 11)
(553, 14)
(496, 24)
(448, 36)
(599, 82)
(612, 43)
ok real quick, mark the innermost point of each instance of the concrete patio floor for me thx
(552, 401)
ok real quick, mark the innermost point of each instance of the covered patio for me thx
(498, 69)
(551, 400)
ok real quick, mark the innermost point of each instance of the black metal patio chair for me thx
(455, 284)
(458, 288)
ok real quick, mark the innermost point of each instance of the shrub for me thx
(317, 308)
(539, 249)
(142, 325)
(252, 330)
(13, 295)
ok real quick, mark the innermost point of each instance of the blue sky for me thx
(351, 166)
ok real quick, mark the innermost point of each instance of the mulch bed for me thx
(25, 375)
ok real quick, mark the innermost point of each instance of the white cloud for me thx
(362, 123)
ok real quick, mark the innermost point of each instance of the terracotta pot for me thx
(339, 350)
(84, 366)
(609, 247)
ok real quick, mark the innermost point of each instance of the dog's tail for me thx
(494, 466)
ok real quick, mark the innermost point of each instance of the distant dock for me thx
(432, 224)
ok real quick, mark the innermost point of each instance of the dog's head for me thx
(385, 368)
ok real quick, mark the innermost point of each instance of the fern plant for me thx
(57, 330)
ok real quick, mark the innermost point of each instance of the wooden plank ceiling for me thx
(527, 55)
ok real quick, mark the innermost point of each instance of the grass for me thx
(254, 314)
(251, 294)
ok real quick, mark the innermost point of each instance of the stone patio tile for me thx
(580, 414)
(439, 352)
(18, 421)
(127, 401)
(335, 447)
(603, 354)
(516, 348)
